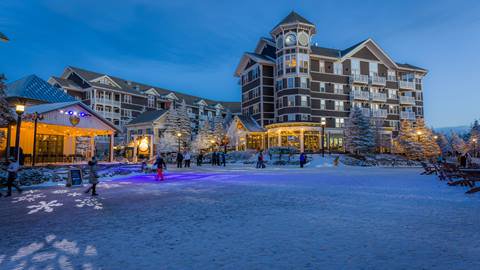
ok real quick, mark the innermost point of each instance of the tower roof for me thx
(293, 17)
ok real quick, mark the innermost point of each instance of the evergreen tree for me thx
(183, 122)
(203, 138)
(458, 144)
(407, 141)
(171, 121)
(443, 143)
(6, 114)
(474, 138)
(429, 146)
(228, 119)
(218, 128)
(360, 139)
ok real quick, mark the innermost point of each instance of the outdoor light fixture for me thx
(323, 123)
(20, 108)
(179, 134)
(435, 137)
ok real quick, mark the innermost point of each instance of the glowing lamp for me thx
(179, 134)
(143, 146)
(474, 140)
(70, 112)
(419, 132)
(19, 108)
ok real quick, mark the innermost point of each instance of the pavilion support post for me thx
(279, 140)
(135, 148)
(111, 147)
(302, 141)
(92, 146)
(151, 147)
(9, 138)
(263, 141)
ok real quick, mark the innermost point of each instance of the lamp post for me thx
(474, 140)
(19, 109)
(323, 137)
(179, 135)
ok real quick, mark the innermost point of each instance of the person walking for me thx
(260, 160)
(214, 158)
(224, 161)
(179, 160)
(303, 159)
(93, 176)
(200, 159)
(187, 158)
(12, 174)
(161, 165)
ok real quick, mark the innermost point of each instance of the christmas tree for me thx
(474, 138)
(443, 143)
(218, 128)
(458, 144)
(183, 122)
(360, 139)
(407, 141)
(430, 148)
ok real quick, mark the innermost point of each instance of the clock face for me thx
(303, 39)
(290, 40)
(279, 42)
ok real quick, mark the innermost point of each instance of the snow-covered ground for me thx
(239, 217)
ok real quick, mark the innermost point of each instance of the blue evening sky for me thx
(194, 46)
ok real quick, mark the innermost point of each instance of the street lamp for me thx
(179, 135)
(419, 133)
(19, 109)
(323, 137)
(474, 140)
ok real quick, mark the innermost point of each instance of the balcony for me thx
(107, 101)
(406, 100)
(379, 113)
(381, 97)
(358, 78)
(406, 85)
(407, 115)
(358, 94)
(365, 112)
(111, 115)
(377, 80)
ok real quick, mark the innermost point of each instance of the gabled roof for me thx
(249, 123)
(65, 83)
(147, 117)
(292, 18)
(408, 66)
(48, 107)
(262, 59)
(35, 88)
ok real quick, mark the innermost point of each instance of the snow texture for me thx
(246, 218)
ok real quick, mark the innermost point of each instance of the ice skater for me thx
(224, 161)
(187, 157)
(12, 170)
(161, 165)
(93, 176)
(179, 160)
(303, 159)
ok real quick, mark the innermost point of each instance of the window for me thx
(290, 63)
(373, 68)
(339, 105)
(303, 60)
(392, 109)
(355, 66)
(290, 82)
(290, 101)
(339, 122)
(419, 95)
(255, 72)
(338, 88)
(305, 117)
(127, 99)
(303, 82)
(209, 113)
(245, 96)
(322, 104)
(392, 94)
(279, 85)
(148, 131)
(140, 132)
(420, 111)
(151, 101)
(280, 65)
(255, 108)
(338, 68)
(322, 87)
(291, 117)
(391, 76)
(303, 101)
(322, 66)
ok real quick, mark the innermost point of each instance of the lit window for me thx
(291, 101)
(339, 105)
(338, 88)
(303, 82)
(303, 101)
(322, 104)
(339, 122)
(322, 87)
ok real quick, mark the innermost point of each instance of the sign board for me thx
(74, 177)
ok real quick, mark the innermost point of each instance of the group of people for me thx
(183, 159)
(218, 158)
(303, 159)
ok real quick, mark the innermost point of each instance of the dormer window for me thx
(151, 101)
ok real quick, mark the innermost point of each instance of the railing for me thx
(365, 112)
(107, 101)
(111, 115)
(407, 115)
(358, 94)
(358, 78)
(406, 85)
(379, 113)
(378, 80)
(391, 78)
(407, 100)
(379, 97)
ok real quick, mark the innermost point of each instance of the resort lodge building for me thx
(290, 87)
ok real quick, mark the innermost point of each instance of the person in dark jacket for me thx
(214, 158)
(224, 161)
(12, 171)
(93, 176)
(303, 159)
(179, 160)
(200, 159)
(161, 165)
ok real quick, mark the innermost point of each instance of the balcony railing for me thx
(407, 100)
(107, 101)
(382, 97)
(406, 84)
(111, 115)
(358, 94)
(358, 78)
(379, 113)
(365, 112)
(377, 80)
(407, 115)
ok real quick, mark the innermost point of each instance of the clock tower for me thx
(292, 38)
